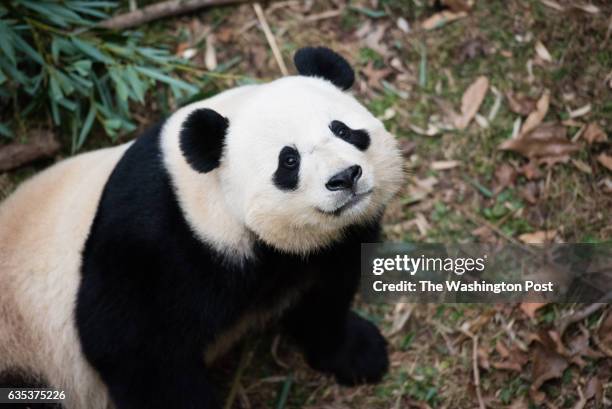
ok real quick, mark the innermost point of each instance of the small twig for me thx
(480, 221)
(40, 144)
(159, 10)
(245, 358)
(481, 404)
(270, 38)
(579, 316)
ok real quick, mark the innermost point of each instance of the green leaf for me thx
(55, 91)
(120, 86)
(138, 87)
(89, 120)
(91, 50)
(2, 77)
(158, 75)
(27, 49)
(369, 12)
(68, 104)
(6, 45)
(83, 67)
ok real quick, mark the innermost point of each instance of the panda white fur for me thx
(125, 271)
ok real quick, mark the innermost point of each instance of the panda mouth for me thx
(351, 202)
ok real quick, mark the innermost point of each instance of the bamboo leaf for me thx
(87, 125)
(155, 74)
(91, 50)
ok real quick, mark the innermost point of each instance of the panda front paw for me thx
(362, 357)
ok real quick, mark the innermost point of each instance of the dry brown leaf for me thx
(375, 76)
(530, 308)
(530, 170)
(530, 192)
(444, 164)
(471, 101)
(520, 403)
(588, 8)
(582, 166)
(536, 117)
(582, 111)
(538, 237)
(442, 18)
(543, 52)
(484, 234)
(547, 365)
(545, 141)
(553, 5)
(505, 175)
(210, 56)
(605, 160)
(594, 389)
(420, 188)
(605, 330)
(605, 185)
(594, 134)
(457, 5)
(520, 103)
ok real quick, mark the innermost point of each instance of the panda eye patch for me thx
(287, 172)
(358, 138)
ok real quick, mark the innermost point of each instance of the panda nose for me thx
(345, 179)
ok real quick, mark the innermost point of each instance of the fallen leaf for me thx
(375, 76)
(520, 403)
(530, 308)
(401, 314)
(536, 117)
(505, 175)
(594, 134)
(520, 103)
(605, 330)
(484, 234)
(403, 25)
(457, 5)
(588, 8)
(594, 389)
(576, 113)
(530, 170)
(440, 19)
(472, 48)
(542, 52)
(547, 365)
(471, 101)
(605, 160)
(444, 164)
(502, 349)
(605, 185)
(546, 140)
(553, 5)
(530, 192)
(420, 188)
(582, 166)
(538, 237)
(210, 56)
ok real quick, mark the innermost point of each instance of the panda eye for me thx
(358, 138)
(340, 129)
(290, 162)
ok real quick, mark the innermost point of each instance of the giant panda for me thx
(124, 272)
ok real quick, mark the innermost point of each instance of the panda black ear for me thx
(325, 63)
(202, 137)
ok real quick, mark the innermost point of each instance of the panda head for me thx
(296, 160)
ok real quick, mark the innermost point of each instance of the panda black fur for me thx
(183, 256)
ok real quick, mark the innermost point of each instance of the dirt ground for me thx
(503, 110)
